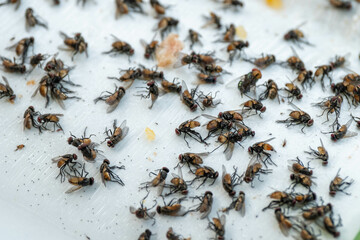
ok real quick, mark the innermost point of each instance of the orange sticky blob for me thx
(31, 82)
(275, 4)
(150, 135)
(168, 50)
(241, 33)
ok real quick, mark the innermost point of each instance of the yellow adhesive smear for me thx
(241, 33)
(31, 82)
(150, 135)
(275, 4)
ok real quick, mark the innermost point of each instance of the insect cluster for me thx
(298, 209)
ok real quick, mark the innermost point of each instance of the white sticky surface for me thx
(42, 209)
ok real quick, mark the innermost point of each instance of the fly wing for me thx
(295, 107)
(349, 123)
(208, 116)
(179, 62)
(73, 189)
(229, 151)
(284, 229)
(180, 173)
(123, 124)
(242, 210)
(103, 178)
(350, 134)
(6, 81)
(58, 100)
(183, 89)
(207, 212)
(223, 220)
(322, 145)
(56, 159)
(143, 43)
(112, 107)
(132, 209)
(232, 82)
(125, 131)
(224, 171)
(160, 188)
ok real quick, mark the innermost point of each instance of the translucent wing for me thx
(224, 171)
(160, 188)
(268, 140)
(125, 131)
(229, 150)
(112, 107)
(208, 116)
(56, 159)
(132, 209)
(284, 229)
(207, 212)
(242, 210)
(123, 124)
(73, 189)
(231, 82)
(222, 220)
(180, 173)
(143, 43)
(350, 134)
(179, 62)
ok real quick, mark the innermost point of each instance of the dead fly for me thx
(158, 7)
(121, 8)
(212, 69)
(254, 169)
(194, 159)
(204, 78)
(341, 4)
(251, 105)
(229, 181)
(120, 47)
(321, 72)
(187, 129)
(248, 81)
(306, 232)
(260, 149)
(37, 59)
(205, 205)
(76, 142)
(301, 179)
(107, 173)
(173, 208)
(165, 25)
(143, 212)
(232, 3)
(76, 44)
(81, 181)
(229, 138)
(171, 86)
(111, 99)
(320, 153)
(129, 75)
(298, 167)
(262, 62)
(229, 34)
(285, 223)
(89, 151)
(207, 101)
(331, 105)
(118, 134)
(294, 62)
(57, 68)
(6, 90)
(22, 47)
(44, 119)
(194, 38)
(197, 59)
(330, 225)
(134, 5)
(150, 74)
(152, 92)
(339, 184)
(13, 67)
(218, 226)
(289, 199)
(145, 235)
(244, 130)
(217, 124)
(305, 78)
(316, 212)
(64, 161)
(17, 2)
(340, 61)
(342, 132)
(149, 48)
(233, 116)
(170, 235)
(238, 204)
(19, 147)
(178, 184)
(213, 19)
(158, 181)
(187, 97)
(272, 91)
(30, 119)
(32, 20)
(297, 117)
(296, 36)
(293, 91)
(234, 47)
(205, 173)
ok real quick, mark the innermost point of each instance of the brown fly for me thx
(342, 132)
(144, 212)
(76, 142)
(234, 47)
(331, 105)
(238, 204)
(178, 184)
(330, 225)
(218, 226)
(129, 75)
(89, 151)
(158, 7)
(171, 86)
(229, 34)
(152, 91)
(316, 212)
(158, 181)
(165, 25)
(301, 179)
(262, 62)
(12, 66)
(32, 20)
(272, 91)
(30, 119)
(229, 181)
(207, 101)
(253, 105)
(173, 208)
(297, 166)
(320, 153)
(171, 235)
(107, 173)
(213, 19)
(111, 99)
(247, 81)
(76, 44)
(339, 184)
(262, 148)
(187, 129)
(187, 97)
(37, 60)
(6, 90)
(205, 173)
(341, 4)
(254, 169)
(293, 91)
(296, 36)
(121, 8)
(191, 159)
(297, 117)
(117, 134)
(80, 181)
(149, 48)
(229, 138)
(64, 162)
(145, 235)
(205, 205)
(217, 124)
(19, 147)
(285, 223)
(44, 119)
(305, 78)
(322, 72)
(194, 38)
(22, 47)
(120, 47)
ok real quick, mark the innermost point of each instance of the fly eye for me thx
(263, 109)
(74, 156)
(180, 157)
(177, 132)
